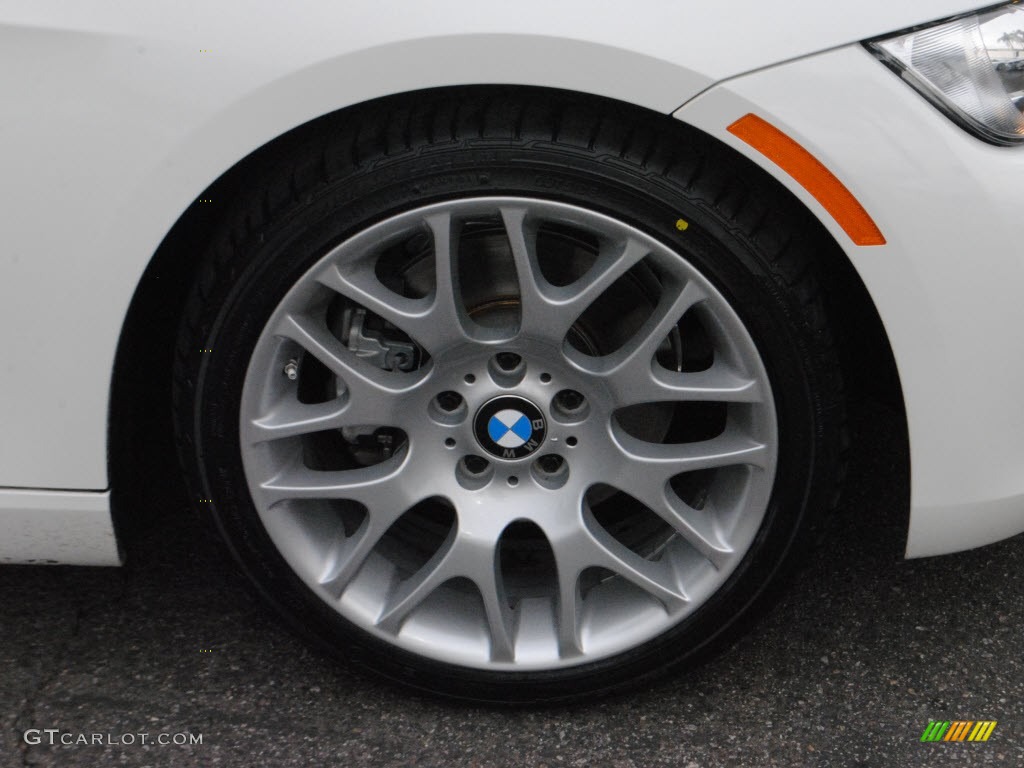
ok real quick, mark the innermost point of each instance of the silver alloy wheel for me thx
(447, 591)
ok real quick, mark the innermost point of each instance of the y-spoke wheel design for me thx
(510, 396)
(531, 552)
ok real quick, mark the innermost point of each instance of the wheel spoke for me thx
(468, 554)
(613, 262)
(380, 489)
(446, 322)
(549, 311)
(656, 578)
(348, 555)
(571, 547)
(696, 526)
(633, 385)
(639, 351)
(378, 486)
(360, 284)
(643, 470)
(487, 577)
(581, 545)
(662, 461)
(436, 322)
(289, 418)
(568, 612)
(418, 587)
(536, 310)
(591, 546)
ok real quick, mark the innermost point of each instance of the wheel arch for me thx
(145, 350)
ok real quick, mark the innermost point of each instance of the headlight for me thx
(971, 67)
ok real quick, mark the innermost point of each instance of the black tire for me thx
(333, 178)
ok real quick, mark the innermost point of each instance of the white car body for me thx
(117, 116)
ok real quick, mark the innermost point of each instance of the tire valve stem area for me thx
(291, 369)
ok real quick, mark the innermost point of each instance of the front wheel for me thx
(502, 419)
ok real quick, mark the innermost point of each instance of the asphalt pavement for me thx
(846, 670)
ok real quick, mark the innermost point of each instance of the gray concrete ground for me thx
(845, 671)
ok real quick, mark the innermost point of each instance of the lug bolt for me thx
(291, 369)
(507, 361)
(475, 464)
(550, 463)
(569, 400)
(449, 401)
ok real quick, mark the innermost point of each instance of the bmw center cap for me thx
(510, 427)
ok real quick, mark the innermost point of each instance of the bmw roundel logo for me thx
(510, 427)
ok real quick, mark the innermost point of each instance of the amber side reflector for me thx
(810, 174)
